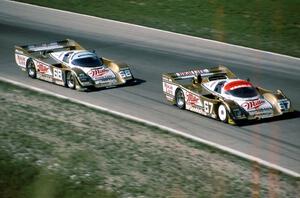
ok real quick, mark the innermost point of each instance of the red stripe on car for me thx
(237, 84)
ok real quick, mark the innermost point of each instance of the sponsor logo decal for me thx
(192, 99)
(95, 73)
(42, 47)
(42, 68)
(253, 104)
(21, 60)
(192, 73)
(168, 88)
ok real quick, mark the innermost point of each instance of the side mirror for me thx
(248, 79)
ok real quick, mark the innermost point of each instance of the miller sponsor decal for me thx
(43, 69)
(192, 99)
(253, 104)
(97, 72)
(168, 88)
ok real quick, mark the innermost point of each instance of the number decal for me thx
(57, 74)
(125, 73)
(208, 107)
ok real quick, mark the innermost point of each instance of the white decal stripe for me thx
(171, 130)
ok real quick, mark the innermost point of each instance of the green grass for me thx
(271, 25)
(50, 147)
(20, 178)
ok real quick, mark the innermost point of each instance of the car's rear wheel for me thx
(70, 80)
(223, 113)
(180, 100)
(30, 68)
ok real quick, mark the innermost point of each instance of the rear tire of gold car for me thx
(70, 80)
(179, 98)
(30, 68)
(223, 113)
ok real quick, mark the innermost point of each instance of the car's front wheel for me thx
(30, 68)
(180, 100)
(70, 80)
(223, 113)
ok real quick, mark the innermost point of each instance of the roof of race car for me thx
(236, 83)
(81, 54)
(72, 54)
(227, 84)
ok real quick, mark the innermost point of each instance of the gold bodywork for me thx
(205, 102)
(40, 55)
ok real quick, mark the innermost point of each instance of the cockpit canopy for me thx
(240, 89)
(85, 59)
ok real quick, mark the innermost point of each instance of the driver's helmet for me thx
(197, 79)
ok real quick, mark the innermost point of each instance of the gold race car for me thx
(68, 64)
(219, 94)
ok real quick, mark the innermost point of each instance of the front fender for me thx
(279, 102)
(239, 113)
(81, 77)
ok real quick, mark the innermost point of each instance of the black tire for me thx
(70, 80)
(30, 68)
(179, 98)
(223, 113)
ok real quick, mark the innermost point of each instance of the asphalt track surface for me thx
(150, 53)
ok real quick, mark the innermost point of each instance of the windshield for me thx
(243, 92)
(91, 61)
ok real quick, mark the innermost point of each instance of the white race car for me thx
(68, 64)
(218, 93)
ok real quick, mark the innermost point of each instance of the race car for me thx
(219, 94)
(68, 64)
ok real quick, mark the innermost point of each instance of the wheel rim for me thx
(180, 98)
(31, 69)
(222, 113)
(70, 80)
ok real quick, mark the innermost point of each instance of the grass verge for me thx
(20, 178)
(271, 25)
(50, 147)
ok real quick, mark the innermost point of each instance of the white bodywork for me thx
(257, 106)
(100, 74)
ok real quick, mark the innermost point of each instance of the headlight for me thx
(83, 77)
(238, 113)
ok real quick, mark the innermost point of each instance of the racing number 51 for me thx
(208, 107)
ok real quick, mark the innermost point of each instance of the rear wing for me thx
(66, 44)
(210, 74)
